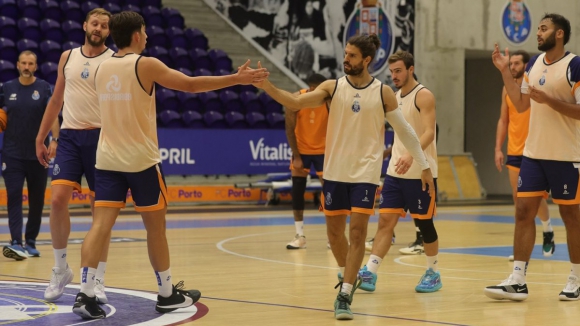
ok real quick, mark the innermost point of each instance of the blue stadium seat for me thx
(161, 54)
(235, 120)
(73, 31)
(200, 59)
(8, 51)
(112, 8)
(8, 8)
(172, 17)
(214, 119)
(69, 45)
(51, 10)
(190, 101)
(7, 71)
(88, 6)
(211, 101)
(49, 72)
(25, 44)
(8, 28)
(186, 71)
(129, 7)
(154, 3)
(167, 100)
(251, 102)
(29, 29)
(180, 58)
(220, 59)
(192, 119)
(51, 30)
(156, 36)
(202, 72)
(249, 88)
(269, 104)
(152, 16)
(256, 120)
(177, 37)
(231, 101)
(276, 120)
(170, 119)
(30, 9)
(71, 10)
(196, 38)
(50, 51)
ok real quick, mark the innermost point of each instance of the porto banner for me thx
(306, 36)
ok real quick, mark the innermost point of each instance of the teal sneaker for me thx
(342, 307)
(430, 282)
(368, 279)
(340, 277)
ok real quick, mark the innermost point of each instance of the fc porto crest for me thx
(35, 95)
(85, 73)
(516, 21)
(355, 106)
(370, 18)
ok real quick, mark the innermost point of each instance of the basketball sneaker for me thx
(508, 289)
(14, 251)
(100, 292)
(179, 298)
(548, 246)
(299, 242)
(430, 282)
(572, 290)
(31, 248)
(511, 257)
(58, 280)
(342, 307)
(369, 245)
(414, 248)
(87, 307)
(368, 278)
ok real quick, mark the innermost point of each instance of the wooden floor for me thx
(238, 260)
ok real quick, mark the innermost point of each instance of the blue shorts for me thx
(341, 198)
(401, 195)
(538, 177)
(147, 188)
(514, 162)
(309, 161)
(76, 155)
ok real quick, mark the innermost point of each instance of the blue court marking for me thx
(561, 253)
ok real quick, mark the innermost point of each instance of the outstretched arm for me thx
(295, 102)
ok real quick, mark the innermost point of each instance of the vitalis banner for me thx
(308, 36)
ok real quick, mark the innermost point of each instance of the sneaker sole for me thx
(414, 252)
(563, 297)
(52, 299)
(9, 253)
(81, 311)
(501, 295)
(166, 310)
(343, 316)
(294, 248)
(435, 289)
(369, 288)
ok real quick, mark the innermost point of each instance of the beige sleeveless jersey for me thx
(552, 135)
(81, 109)
(128, 141)
(355, 136)
(412, 114)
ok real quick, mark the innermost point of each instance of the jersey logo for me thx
(85, 73)
(355, 106)
(357, 96)
(543, 80)
(87, 64)
(35, 95)
(12, 97)
(113, 85)
(56, 170)
(328, 199)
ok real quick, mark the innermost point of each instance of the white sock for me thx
(299, 227)
(88, 281)
(100, 276)
(519, 272)
(547, 225)
(432, 262)
(341, 271)
(374, 263)
(346, 288)
(60, 258)
(575, 270)
(417, 229)
(164, 283)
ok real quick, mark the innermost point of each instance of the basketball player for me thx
(551, 89)
(516, 125)
(128, 156)
(74, 92)
(306, 133)
(402, 185)
(354, 154)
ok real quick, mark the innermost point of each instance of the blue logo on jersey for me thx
(35, 95)
(516, 22)
(373, 20)
(355, 106)
(85, 74)
(543, 80)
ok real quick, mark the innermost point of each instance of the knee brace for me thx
(428, 230)
(298, 190)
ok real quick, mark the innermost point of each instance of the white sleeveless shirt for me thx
(81, 108)
(128, 140)
(412, 114)
(355, 136)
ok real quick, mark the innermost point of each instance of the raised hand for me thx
(500, 61)
(248, 75)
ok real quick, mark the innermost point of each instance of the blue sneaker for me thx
(31, 248)
(368, 278)
(14, 251)
(430, 282)
(342, 307)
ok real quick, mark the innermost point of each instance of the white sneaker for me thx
(511, 257)
(299, 242)
(508, 289)
(369, 245)
(100, 292)
(414, 248)
(58, 281)
(572, 290)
